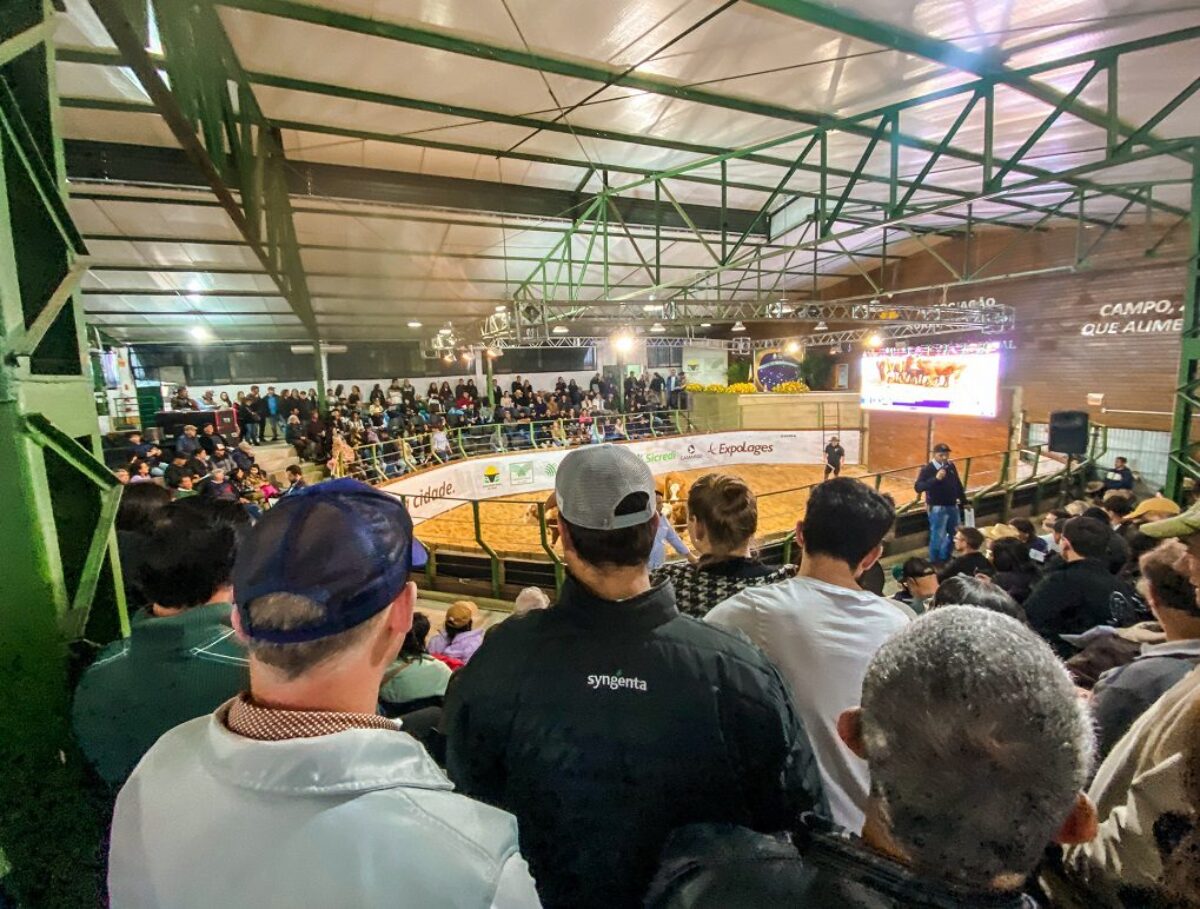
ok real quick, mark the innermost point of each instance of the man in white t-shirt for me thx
(821, 629)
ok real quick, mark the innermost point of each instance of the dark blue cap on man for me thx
(342, 544)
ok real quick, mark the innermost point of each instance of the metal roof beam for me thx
(445, 40)
(149, 165)
(988, 65)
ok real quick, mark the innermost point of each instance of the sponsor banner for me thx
(438, 490)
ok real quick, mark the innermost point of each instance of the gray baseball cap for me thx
(591, 482)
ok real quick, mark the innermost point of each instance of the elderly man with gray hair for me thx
(978, 749)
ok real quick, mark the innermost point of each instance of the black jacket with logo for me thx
(605, 725)
(1075, 596)
(945, 492)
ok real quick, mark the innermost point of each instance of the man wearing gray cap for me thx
(609, 719)
(297, 793)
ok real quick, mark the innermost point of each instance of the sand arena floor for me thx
(508, 527)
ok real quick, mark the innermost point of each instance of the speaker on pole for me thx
(1069, 432)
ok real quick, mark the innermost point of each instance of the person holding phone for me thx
(944, 494)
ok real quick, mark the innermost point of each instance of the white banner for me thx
(436, 491)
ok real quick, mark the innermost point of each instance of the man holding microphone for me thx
(944, 493)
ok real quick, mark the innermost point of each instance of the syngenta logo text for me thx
(431, 493)
(615, 681)
(740, 448)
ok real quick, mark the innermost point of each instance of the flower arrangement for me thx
(741, 388)
(694, 387)
(791, 388)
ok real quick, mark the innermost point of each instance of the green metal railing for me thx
(1004, 479)
(378, 462)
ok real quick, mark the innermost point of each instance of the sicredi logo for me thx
(615, 681)
(431, 493)
(657, 457)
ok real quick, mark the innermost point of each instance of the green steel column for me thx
(1183, 462)
(58, 580)
(322, 377)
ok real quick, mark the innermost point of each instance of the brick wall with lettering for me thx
(1111, 328)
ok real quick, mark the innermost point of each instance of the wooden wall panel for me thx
(1075, 333)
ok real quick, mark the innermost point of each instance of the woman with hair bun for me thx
(722, 521)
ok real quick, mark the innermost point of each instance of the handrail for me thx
(533, 434)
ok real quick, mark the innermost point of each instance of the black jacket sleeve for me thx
(1047, 603)
(476, 723)
(925, 478)
(770, 748)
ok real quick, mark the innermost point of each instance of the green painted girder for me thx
(452, 43)
(116, 106)
(988, 64)
(1016, 188)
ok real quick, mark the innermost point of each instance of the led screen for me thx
(964, 383)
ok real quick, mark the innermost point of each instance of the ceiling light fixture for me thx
(200, 334)
(446, 331)
(657, 327)
(874, 339)
(623, 342)
(414, 324)
(560, 329)
(738, 326)
(502, 308)
(792, 347)
(465, 356)
(821, 326)
(706, 324)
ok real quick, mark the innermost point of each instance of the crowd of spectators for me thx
(1019, 725)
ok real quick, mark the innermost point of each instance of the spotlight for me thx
(414, 324)
(874, 339)
(448, 359)
(446, 331)
(623, 342)
(465, 356)
(200, 334)
(706, 324)
(738, 326)
(493, 352)
(792, 347)
(657, 327)
(560, 329)
(821, 326)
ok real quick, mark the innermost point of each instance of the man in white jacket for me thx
(297, 793)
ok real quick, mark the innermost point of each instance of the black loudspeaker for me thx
(1069, 432)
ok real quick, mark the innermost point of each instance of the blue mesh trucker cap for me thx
(342, 544)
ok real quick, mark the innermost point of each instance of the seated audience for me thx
(1120, 477)
(962, 590)
(1123, 694)
(968, 557)
(1052, 537)
(1148, 824)
(632, 720)
(1116, 553)
(1028, 535)
(297, 793)
(181, 659)
(140, 505)
(1154, 508)
(722, 521)
(1080, 592)
(821, 628)
(457, 640)
(977, 749)
(918, 582)
(1016, 574)
(415, 679)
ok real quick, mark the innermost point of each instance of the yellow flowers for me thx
(791, 388)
